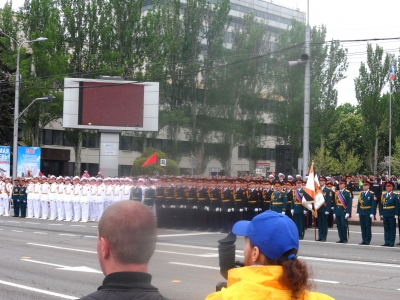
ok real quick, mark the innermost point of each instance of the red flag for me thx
(152, 160)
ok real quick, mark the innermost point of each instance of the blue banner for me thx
(5, 160)
(28, 161)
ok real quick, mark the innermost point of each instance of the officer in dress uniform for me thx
(93, 199)
(76, 199)
(298, 210)
(159, 201)
(329, 186)
(2, 194)
(278, 200)
(191, 204)
(226, 206)
(214, 206)
(85, 194)
(289, 197)
(350, 187)
(365, 211)
(324, 210)
(238, 204)
(343, 204)
(36, 197)
(44, 198)
(180, 204)
(390, 208)
(52, 197)
(15, 197)
(170, 204)
(377, 189)
(149, 194)
(137, 191)
(23, 198)
(253, 201)
(266, 196)
(68, 208)
(203, 197)
(60, 199)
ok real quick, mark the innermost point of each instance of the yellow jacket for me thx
(259, 282)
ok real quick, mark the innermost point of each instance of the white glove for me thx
(241, 210)
(327, 212)
(181, 206)
(229, 210)
(331, 208)
(245, 209)
(334, 216)
(371, 216)
(163, 206)
(259, 209)
(233, 209)
(283, 213)
(395, 217)
(206, 208)
(217, 209)
(256, 209)
(305, 212)
(194, 207)
(292, 211)
(346, 216)
(357, 215)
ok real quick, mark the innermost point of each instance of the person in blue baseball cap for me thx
(271, 267)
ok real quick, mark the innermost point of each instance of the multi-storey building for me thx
(58, 156)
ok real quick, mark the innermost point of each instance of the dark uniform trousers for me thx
(191, 208)
(390, 206)
(238, 205)
(213, 213)
(16, 200)
(169, 207)
(202, 203)
(180, 208)
(23, 201)
(160, 206)
(340, 212)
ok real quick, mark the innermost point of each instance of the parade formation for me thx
(202, 203)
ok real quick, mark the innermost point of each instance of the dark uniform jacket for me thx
(366, 203)
(390, 204)
(340, 210)
(127, 286)
(328, 200)
(297, 204)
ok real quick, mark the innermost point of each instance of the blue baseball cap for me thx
(273, 233)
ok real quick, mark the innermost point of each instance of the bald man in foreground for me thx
(126, 241)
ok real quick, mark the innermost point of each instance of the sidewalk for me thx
(354, 220)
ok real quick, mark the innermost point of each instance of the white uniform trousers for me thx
(36, 208)
(85, 211)
(100, 210)
(45, 209)
(2, 206)
(29, 208)
(60, 210)
(77, 211)
(53, 209)
(92, 212)
(7, 207)
(69, 211)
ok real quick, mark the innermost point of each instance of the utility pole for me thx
(306, 132)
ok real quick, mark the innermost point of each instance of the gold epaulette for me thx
(371, 192)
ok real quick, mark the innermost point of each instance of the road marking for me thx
(55, 224)
(189, 254)
(32, 223)
(12, 222)
(24, 287)
(17, 230)
(78, 225)
(38, 232)
(66, 268)
(325, 281)
(95, 226)
(62, 248)
(67, 234)
(348, 244)
(1, 229)
(352, 262)
(196, 266)
(381, 233)
(90, 236)
(187, 234)
(187, 246)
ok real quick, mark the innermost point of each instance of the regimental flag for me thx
(391, 70)
(309, 190)
(319, 195)
(152, 160)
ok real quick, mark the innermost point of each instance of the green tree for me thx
(348, 162)
(368, 85)
(324, 162)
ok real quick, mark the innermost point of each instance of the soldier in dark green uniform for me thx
(191, 204)
(365, 211)
(324, 210)
(23, 198)
(390, 208)
(298, 209)
(15, 197)
(278, 199)
(343, 204)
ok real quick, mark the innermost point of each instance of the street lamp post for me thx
(16, 104)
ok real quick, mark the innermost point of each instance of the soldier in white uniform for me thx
(36, 197)
(108, 192)
(126, 189)
(8, 189)
(92, 199)
(53, 198)
(30, 195)
(60, 199)
(76, 199)
(117, 190)
(2, 195)
(85, 193)
(44, 198)
(68, 190)
(100, 198)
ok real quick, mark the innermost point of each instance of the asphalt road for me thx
(57, 260)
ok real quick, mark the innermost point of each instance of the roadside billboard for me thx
(28, 161)
(5, 156)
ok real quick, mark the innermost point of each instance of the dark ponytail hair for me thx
(296, 275)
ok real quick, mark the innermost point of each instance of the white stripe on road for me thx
(187, 246)
(78, 225)
(55, 224)
(187, 234)
(24, 287)
(348, 244)
(62, 248)
(325, 281)
(32, 223)
(39, 232)
(67, 234)
(17, 230)
(189, 254)
(358, 232)
(351, 262)
(196, 266)
(90, 236)
(43, 263)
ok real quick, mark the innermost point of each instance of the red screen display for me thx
(111, 104)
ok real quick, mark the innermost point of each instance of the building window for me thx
(243, 152)
(48, 137)
(124, 170)
(129, 143)
(160, 144)
(184, 147)
(71, 168)
(91, 140)
(58, 137)
(270, 129)
(93, 169)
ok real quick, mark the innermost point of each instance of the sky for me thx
(346, 19)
